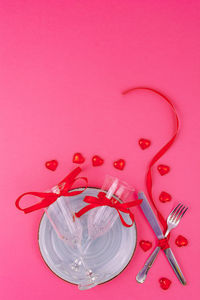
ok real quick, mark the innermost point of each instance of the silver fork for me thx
(172, 221)
(175, 217)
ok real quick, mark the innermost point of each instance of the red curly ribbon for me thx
(160, 153)
(48, 198)
(102, 200)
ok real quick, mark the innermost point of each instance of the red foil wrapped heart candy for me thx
(51, 165)
(144, 143)
(163, 169)
(164, 197)
(97, 161)
(119, 164)
(78, 158)
(181, 241)
(145, 245)
(164, 283)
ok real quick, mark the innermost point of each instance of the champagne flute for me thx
(101, 219)
(69, 230)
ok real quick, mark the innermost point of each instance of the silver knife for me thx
(149, 214)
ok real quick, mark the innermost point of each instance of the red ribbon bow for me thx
(48, 198)
(102, 200)
(163, 244)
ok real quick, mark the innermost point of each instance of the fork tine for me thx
(173, 211)
(176, 213)
(180, 215)
(184, 212)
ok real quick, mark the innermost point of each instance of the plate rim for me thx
(75, 284)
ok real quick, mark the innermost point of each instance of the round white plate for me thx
(108, 254)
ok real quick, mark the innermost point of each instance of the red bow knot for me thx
(163, 244)
(62, 189)
(102, 200)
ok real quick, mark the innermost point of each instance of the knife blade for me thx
(149, 214)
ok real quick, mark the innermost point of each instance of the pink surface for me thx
(63, 65)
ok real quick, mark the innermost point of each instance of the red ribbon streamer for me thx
(102, 200)
(160, 153)
(49, 198)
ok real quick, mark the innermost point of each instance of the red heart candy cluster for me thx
(78, 158)
(98, 161)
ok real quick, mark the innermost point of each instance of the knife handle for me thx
(141, 276)
(170, 256)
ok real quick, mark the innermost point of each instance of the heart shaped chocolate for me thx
(164, 283)
(97, 161)
(78, 158)
(51, 165)
(181, 241)
(145, 245)
(164, 197)
(163, 169)
(119, 164)
(144, 143)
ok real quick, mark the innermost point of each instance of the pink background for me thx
(63, 66)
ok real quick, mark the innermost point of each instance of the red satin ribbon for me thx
(48, 198)
(163, 243)
(102, 200)
(160, 153)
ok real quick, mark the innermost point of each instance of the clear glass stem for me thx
(88, 244)
(91, 278)
(82, 258)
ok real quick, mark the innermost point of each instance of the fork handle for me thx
(141, 276)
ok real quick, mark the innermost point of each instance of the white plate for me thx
(109, 254)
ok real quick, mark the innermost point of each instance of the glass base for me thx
(90, 281)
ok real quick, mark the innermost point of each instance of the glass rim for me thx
(122, 182)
